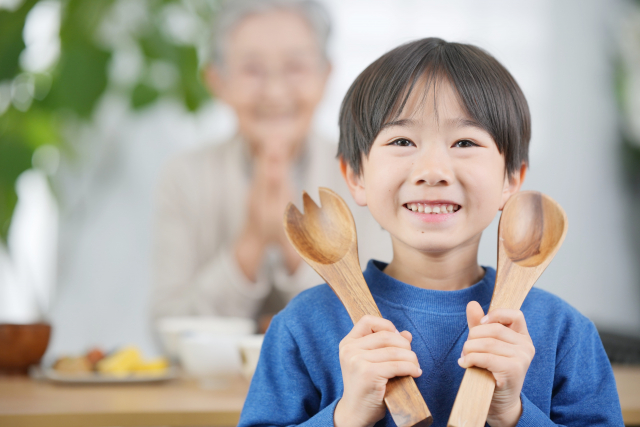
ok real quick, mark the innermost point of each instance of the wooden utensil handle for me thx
(405, 403)
(402, 397)
(473, 400)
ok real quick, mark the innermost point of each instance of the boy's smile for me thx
(433, 211)
(434, 179)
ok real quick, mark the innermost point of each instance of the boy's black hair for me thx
(487, 91)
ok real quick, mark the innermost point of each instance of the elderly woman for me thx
(220, 244)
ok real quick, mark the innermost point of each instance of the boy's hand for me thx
(371, 354)
(500, 343)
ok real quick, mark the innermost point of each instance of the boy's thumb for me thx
(474, 314)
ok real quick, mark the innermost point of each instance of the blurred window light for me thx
(22, 91)
(125, 20)
(32, 244)
(181, 26)
(5, 96)
(10, 5)
(42, 85)
(126, 66)
(46, 158)
(41, 36)
(163, 75)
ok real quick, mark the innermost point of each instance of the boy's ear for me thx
(512, 183)
(354, 182)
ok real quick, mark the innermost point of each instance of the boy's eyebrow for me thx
(458, 122)
(401, 123)
(461, 122)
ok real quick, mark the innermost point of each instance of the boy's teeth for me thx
(434, 209)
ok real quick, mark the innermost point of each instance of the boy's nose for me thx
(432, 169)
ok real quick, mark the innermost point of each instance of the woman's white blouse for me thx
(201, 202)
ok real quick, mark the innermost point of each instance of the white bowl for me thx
(250, 352)
(211, 358)
(171, 328)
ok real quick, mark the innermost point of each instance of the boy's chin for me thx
(435, 250)
(428, 246)
(436, 244)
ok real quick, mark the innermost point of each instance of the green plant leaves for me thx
(11, 43)
(74, 85)
(80, 78)
(20, 135)
(143, 95)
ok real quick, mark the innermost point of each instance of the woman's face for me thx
(273, 76)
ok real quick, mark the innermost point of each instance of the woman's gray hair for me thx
(233, 12)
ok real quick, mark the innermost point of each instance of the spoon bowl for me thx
(532, 228)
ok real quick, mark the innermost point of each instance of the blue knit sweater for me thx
(299, 381)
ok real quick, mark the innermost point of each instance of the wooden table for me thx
(29, 403)
(628, 381)
(25, 402)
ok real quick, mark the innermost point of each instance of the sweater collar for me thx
(454, 302)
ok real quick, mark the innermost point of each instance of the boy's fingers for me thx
(371, 324)
(513, 319)
(489, 345)
(395, 369)
(474, 314)
(407, 335)
(390, 354)
(487, 361)
(381, 339)
(497, 331)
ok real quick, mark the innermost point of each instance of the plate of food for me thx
(126, 365)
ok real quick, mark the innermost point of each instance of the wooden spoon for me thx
(532, 229)
(325, 237)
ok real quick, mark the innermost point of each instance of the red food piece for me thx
(95, 355)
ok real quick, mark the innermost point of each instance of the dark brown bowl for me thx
(22, 346)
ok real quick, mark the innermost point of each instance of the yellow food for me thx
(121, 362)
(158, 365)
(124, 362)
(129, 360)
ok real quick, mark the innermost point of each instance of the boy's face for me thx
(426, 162)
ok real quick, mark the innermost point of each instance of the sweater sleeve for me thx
(282, 392)
(584, 391)
(184, 284)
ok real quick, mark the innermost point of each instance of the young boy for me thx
(433, 139)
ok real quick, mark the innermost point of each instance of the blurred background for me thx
(96, 96)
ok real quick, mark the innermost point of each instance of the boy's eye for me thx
(464, 143)
(402, 142)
